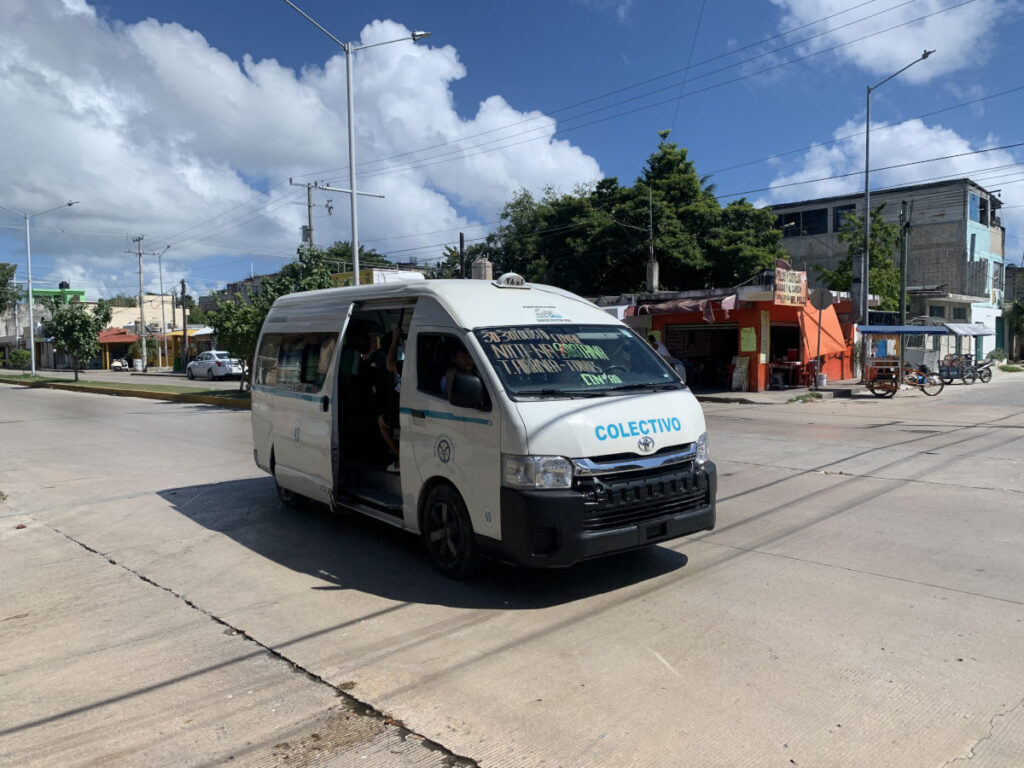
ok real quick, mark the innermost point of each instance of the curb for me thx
(175, 397)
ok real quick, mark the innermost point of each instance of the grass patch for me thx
(1011, 368)
(805, 398)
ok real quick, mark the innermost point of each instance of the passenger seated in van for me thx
(461, 362)
(387, 421)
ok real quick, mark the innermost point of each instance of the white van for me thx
(530, 425)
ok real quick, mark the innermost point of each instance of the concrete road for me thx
(860, 603)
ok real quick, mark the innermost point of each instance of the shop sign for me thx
(790, 287)
(342, 279)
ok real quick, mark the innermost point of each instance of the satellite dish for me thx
(782, 264)
(821, 298)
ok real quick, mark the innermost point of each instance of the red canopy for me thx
(832, 339)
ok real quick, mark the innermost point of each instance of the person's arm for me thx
(392, 361)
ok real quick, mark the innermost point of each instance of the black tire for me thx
(877, 389)
(448, 533)
(288, 498)
(189, 374)
(932, 384)
(209, 374)
(985, 374)
(947, 380)
(970, 377)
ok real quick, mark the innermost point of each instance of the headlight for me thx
(535, 471)
(703, 454)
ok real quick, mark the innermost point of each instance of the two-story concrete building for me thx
(955, 262)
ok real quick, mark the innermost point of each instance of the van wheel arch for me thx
(289, 498)
(445, 528)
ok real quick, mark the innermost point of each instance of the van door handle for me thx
(417, 414)
(325, 403)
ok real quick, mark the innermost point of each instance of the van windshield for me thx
(573, 360)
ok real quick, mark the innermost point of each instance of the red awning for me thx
(832, 339)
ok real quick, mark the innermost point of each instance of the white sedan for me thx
(214, 365)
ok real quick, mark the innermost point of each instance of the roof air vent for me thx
(511, 280)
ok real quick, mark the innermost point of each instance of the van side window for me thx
(296, 362)
(438, 357)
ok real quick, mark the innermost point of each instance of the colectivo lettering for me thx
(637, 428)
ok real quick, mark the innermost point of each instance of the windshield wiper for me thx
(563, 393)
(647, 385)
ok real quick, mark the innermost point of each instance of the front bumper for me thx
(555, 528)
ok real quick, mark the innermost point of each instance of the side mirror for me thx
(468, 391)
(680, 370)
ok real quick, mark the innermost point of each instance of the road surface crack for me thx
(449, 759)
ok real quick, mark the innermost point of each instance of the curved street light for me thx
(28, 265)
(350, 49)
(865, 262)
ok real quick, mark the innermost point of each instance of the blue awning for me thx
(904, 330)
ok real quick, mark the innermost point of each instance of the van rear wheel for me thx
(448, 532)
(289, 498)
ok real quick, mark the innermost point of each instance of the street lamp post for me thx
(163, 318)
(865, 261)
(350, 49)
(28, 265)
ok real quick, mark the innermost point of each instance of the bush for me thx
(997, 354)
(1011, 368)
(20, 358)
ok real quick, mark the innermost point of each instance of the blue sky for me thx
(184, 121)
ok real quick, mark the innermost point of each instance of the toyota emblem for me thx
(645, 444)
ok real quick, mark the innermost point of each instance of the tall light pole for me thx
(163, 318)
(350, 49)
(28, 264)
(865, 261)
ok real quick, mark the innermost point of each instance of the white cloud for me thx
(157, 132)
(958, 36)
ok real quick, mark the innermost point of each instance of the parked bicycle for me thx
(886, 384)
(959, 367)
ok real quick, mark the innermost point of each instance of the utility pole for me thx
(163, 317)
(904, 245)
(462, 255)
(652, 264)
(142, 309)
(184, 329)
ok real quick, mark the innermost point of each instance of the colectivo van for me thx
(521, 422)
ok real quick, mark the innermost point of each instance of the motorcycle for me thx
(984, 371)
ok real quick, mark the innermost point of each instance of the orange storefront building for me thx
(758, 338)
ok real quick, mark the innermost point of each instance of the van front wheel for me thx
(448, 533)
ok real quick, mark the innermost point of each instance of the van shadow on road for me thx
(358, 553)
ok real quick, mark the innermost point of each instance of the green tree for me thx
(598, 239)
(74, 330)
(1014, 314)
(152, 346)
(123, 300)
(10, 292)
(20, 358)
(883, 272)
(338, 256)
(238, 320)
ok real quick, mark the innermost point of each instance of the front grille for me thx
(613, 501)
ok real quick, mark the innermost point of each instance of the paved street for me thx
(861, 603)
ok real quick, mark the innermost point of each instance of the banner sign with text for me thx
(790, 287)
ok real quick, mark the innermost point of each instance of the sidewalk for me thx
(844, 388)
